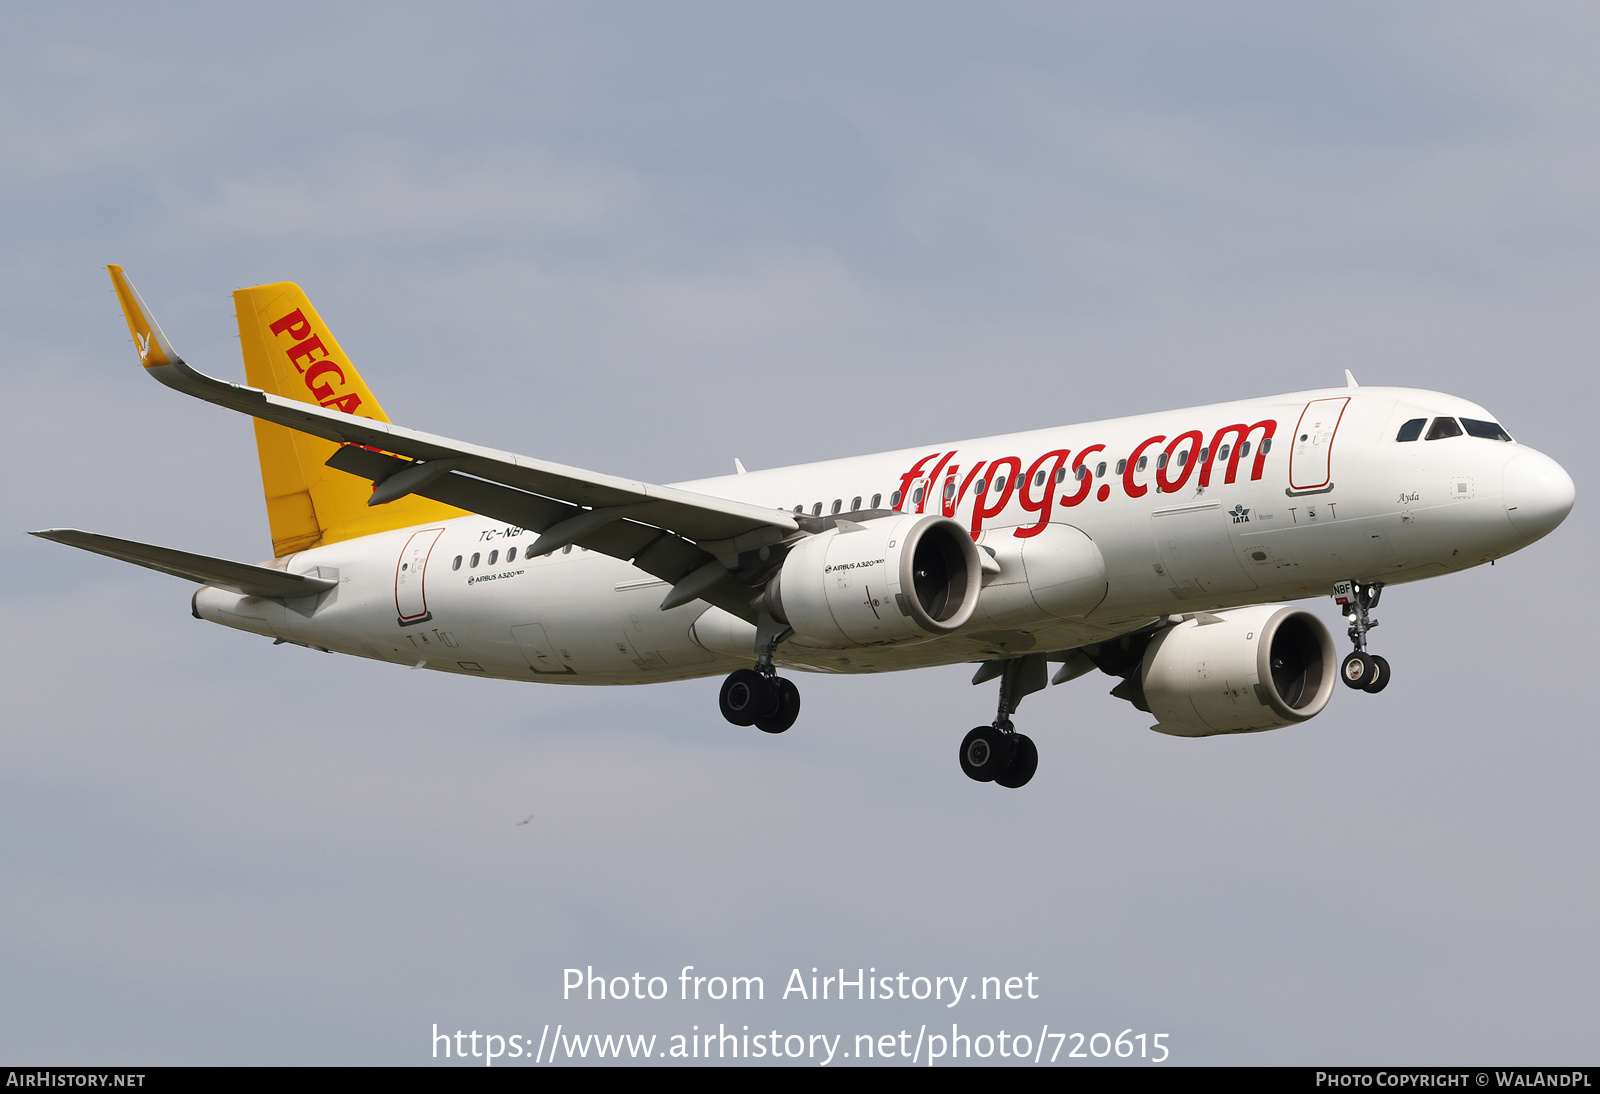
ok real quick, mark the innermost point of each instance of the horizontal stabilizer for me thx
(238, 577)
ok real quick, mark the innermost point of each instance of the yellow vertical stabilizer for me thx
(289, 351)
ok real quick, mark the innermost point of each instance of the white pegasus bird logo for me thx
(142, 343)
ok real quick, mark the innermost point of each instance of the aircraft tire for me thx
(1024, 762)
(1381, 678)
(745, 695)
(1358, 671)
(784, 710)
(985, 753)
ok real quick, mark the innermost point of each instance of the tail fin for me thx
(289, 351)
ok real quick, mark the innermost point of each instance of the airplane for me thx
(1163, 549)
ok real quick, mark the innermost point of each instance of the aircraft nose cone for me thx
(1538, 493)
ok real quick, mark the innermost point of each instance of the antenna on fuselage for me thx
(1349, 379)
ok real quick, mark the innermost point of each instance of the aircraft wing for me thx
(670, 533)
(238, 577)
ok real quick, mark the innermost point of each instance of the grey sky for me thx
(646, 239)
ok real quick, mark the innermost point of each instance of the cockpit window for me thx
(1411, 430)
(1442, 428)
(1489, 431)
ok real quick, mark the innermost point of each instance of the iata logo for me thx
(310, 358)
(1240, 514)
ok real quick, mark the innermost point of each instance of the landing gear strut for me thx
(760, 697)
(997, 753)
(1363, 670)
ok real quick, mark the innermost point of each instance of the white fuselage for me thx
(1333, 496)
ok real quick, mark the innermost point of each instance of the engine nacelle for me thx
(903, 578)
(1239, 671)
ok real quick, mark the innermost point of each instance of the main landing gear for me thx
(771, 703)
(1366, 671)
(997, 753)
(760, 697)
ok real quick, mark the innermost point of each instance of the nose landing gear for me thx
(997, 753)
(1362, 670)
(760, 697)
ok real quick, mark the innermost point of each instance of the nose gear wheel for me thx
(1362, 670)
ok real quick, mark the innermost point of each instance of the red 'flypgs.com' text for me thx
(998, 481)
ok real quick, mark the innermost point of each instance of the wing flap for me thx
(238, 577)
(659, 553)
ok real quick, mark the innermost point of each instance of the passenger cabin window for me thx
(1122, 465)
(837, 505)
(916, 496)
(799, 508)
(1038, 480)
(1222, 453)
(494, 556)
(1144, 462)
(894, 500)
(1244, 449)
(1411, 430)
(511, 555)
(475, 557)
(816, 510)
(1061, 474)
(1489, 431)
(1100, 470)
(456, 565)
(979, 488)
(1266, 446)
(1442, 428)
(1000, 483)
(1161, 461)
(1082, 473)
(876, 499)
(1183, 457)
(855, 503)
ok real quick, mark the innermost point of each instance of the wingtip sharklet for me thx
(148, 339)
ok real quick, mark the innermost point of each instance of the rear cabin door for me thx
(1310, 460)
(410, 574)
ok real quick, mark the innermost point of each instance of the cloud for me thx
(367, 195)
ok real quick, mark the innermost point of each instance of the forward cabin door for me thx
(1311, 458)
(410, 574)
